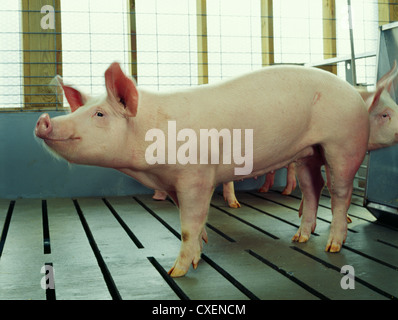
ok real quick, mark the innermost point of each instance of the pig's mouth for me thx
(53, 140)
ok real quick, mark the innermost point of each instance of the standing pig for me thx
(312, 117)
(291, 182)
(383, 116)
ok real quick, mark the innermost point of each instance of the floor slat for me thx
(203, 283)
(373, 262)
(129, 267)
(122, 247)
(22, 258)
(312, 276)
(77, 274)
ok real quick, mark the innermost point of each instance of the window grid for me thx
(96, 33)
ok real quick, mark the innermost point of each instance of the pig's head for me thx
(97, 130)
(383, 112)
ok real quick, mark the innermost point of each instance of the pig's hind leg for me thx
(311, 184)
(268, 183)
(290, 180)
(194, 203)
(229, 195)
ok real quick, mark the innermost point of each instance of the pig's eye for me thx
(99, 114)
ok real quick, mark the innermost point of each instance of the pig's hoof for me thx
(159, 195)
(180, 268)
(264, 189)
(175, 272)
(334, 244)
(334, 247)
(349, 219)
(234, 204)
(189, 254)
(288, 190)
(304, 232)
(298, 237)
(232, 201)
(337, 235)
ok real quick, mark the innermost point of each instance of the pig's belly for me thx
(264, 164)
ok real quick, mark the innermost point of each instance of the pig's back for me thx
(282, 104)
(278, 101)
(276, 90)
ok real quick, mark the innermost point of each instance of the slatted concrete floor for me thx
(122, 248)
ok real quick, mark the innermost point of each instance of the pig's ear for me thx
(385, 83)
(374, 99)
(387, 80)
(74, 97)
(122, 89)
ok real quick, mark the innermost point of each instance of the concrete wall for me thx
(29, 171)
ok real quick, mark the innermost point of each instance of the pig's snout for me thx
(43, 126)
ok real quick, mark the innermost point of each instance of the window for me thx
(10, 55)
(166, 43)
(298, 31)
(94, 34)
(168, 54)
(234, 37)
(365, 29)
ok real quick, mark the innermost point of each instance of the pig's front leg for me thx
(194, 203)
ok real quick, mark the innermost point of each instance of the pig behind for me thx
(383, 112)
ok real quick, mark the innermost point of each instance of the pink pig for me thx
(296, 114)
